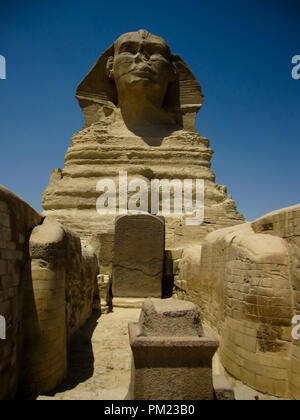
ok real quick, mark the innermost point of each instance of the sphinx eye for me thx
(128, 48)
(158, 52)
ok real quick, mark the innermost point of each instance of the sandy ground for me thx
(99, 359)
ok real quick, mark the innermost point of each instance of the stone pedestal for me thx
(172, 357)
(138, 259)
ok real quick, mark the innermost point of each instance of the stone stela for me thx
(138, 260)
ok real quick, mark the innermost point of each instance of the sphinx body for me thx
(140, 104)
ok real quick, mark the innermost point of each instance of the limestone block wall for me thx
(106, 252)
(246, 281)
(47, 281)
(81, 281)
(17, 219)
(286, 224)
(62, 288)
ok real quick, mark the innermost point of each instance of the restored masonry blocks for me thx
(47, 281)
(246, 281)
(63, 281)
(17, 219)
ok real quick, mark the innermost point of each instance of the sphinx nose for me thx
(140, 57)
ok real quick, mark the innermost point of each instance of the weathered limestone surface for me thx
(285, 224)
(246, 281)
(138, 256)
(106, 241)
(47, 286)
(172, 359)
(57, 250)
(140, 118)
(17, 218)
(169, 318)
(58, 300)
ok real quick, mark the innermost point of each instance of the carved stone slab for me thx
(138, 256)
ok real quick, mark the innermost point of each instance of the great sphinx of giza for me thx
(140, 103)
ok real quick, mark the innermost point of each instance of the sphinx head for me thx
(141, 67)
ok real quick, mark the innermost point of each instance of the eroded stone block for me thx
(169, 347)
(138, 256)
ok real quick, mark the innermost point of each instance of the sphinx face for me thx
(142, 62)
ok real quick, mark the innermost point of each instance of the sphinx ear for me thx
(173, 70)
(109, 68)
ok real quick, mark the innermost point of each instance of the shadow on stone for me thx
(80, 356)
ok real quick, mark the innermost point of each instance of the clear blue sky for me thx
(239, 50)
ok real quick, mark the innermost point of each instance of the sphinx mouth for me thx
(142, 73)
